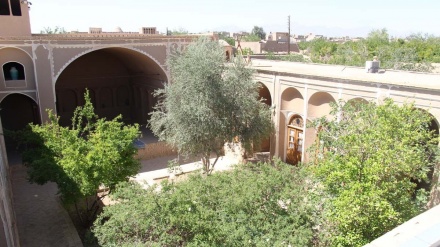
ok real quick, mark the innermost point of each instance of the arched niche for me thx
(319, 105)
(24, 77)
(291, 99)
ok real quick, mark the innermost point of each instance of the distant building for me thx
(279, 47)
(299, 38)
(238, 35)
(312, 36)
(276, 36)
(269, 46)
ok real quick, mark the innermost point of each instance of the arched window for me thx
(13, 71)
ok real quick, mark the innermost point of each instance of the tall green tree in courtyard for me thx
(92, 152)
(370, 158)
(208, 103)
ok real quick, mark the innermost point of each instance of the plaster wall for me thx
(9, 235)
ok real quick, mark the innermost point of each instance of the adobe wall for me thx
(8, 227)
(16, 26)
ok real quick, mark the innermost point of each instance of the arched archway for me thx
(265, 97)
(292, 102)
(434, 128)
(319, 105)
(122, 81)
(17, 111)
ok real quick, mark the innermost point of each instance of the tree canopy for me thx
(208, 103)
(55, 30)
(80, 158)
(259, 32)
(252, 205)
(414, 53)
(370, 159)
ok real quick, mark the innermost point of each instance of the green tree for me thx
(226, 38)
(370, 158)
(251, 38)
(179, 31)
(252, 205)
(258, 31)
(209, 103)
(55, 30)
(91, 153)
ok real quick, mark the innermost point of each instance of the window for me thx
(13, 71)
(4, 7)
(16, 7)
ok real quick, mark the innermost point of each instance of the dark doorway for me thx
(17, 111)
(120, 82)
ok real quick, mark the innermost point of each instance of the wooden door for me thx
(294, 145)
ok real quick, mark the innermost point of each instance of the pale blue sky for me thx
(328, 17)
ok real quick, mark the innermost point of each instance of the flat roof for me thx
(392, 77)
(100, 36)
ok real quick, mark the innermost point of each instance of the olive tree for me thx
(371, 159)
(90, 153)
(208, 103)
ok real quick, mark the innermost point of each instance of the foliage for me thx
(303, 45)
(252, 205)
(179, 31)
(209, 103)
(414, 53)
(258, 31)
(370, 161)
(79, 159)
(247, 51)
(251, 38)
(55, 30)
(229, 40)
(292, 57)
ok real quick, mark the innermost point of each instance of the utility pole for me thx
(288, 36)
